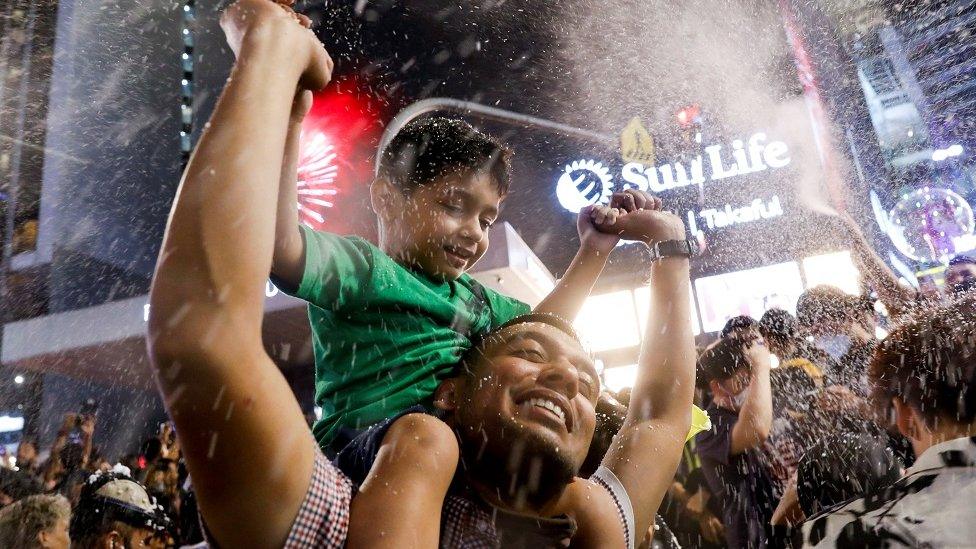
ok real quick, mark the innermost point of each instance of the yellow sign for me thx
(636, 144)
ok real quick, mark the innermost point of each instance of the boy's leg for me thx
(399, 503)
(243, 435)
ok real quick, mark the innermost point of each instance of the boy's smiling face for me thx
(441, 227)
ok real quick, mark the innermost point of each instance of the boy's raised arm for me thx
(288, 263)
(567, 297)
(242, 433)
(646, 450)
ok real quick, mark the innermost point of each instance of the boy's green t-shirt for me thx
(385, 336)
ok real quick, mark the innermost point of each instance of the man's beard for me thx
(524, 470)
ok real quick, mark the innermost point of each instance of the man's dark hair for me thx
(780, 325)
(721, 360)
(842, 466)
(824, 304)
(792, 387)
(737, 323)
(479, 341)
(962, 260)
(436, 146)
(929, 362)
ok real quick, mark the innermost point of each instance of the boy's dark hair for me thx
(929, 362)
(432, 147)
(736, 323)
(721, 360)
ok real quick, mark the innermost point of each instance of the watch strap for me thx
(674, 248)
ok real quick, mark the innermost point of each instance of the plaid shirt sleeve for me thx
(323, 519)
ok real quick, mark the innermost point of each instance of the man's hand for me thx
(631, 200)
(87, 426)
(712, 528)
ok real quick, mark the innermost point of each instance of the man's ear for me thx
(713, 387)
(448, 394)
(382, 195)
(906, 419)
(112, 540)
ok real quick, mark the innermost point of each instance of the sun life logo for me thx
(584, 183)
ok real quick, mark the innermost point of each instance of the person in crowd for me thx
(794, 387)
(17, 484)
(116, 511)
(960, 275)
(522, 408)
(28, 460)
(842, 327)
(735, 467)
(66, 468)
(923, 376)
(36, 521)
(842, 465)
(744, 328)
(897, 297)
(783, 336)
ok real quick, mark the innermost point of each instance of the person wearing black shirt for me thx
(735, 468)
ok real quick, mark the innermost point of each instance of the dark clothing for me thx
(356, 459)
(492, 527)
(742, 482)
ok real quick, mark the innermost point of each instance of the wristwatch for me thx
(674, 248)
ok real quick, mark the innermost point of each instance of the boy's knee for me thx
(424, 438)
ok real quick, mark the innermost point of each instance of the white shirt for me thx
(933, 505)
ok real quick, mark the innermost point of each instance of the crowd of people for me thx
(455, 416)
(71, 495)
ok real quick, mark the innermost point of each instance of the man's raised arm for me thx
(646, 451)
(243, 435)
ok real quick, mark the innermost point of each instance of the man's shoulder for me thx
(939, 508)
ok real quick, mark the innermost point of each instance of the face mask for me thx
(834, 345)
(740, 399)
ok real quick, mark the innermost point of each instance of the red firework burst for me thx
(317, 173)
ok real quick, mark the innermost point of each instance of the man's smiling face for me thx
(531, 394)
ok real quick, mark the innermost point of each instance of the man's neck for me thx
(946, 432)
(519, 500)
(528, 487)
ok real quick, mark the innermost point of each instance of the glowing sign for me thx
(587, 182)
(755, 157)
(719, 218)
(584, 183)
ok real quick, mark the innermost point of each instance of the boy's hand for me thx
(588, 224)
(648, 226)
(278, 23)
(300, 106)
